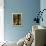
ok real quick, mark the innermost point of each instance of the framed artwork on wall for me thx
(17, 19)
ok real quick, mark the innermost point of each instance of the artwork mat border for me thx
(21, 20)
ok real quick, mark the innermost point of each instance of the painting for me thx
(16, 17)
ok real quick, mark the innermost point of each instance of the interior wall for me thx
(43, 6)
(28, 8)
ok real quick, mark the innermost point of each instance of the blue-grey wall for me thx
(43, 6)
(28, 8)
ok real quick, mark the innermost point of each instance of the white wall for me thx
(1, 20)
